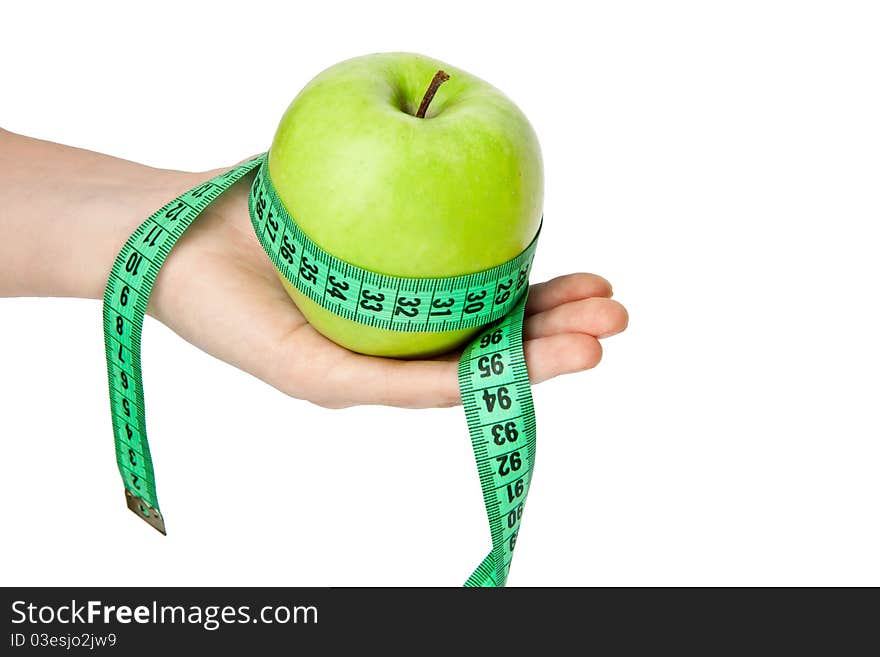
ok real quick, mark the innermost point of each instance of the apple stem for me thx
(439, 78)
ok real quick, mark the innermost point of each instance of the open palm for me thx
(249, 321)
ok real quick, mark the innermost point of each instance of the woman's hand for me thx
(220, 292)
(66, 213)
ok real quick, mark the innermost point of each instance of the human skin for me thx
(52, 196)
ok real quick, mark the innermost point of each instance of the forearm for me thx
(65, 212)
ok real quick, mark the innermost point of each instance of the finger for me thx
(350, 379)
(561, 354)
(563, 289)
(596, 316)
(356, 379)
(427, 384)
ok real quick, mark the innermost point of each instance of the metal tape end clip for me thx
(144, 511)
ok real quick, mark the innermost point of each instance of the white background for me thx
(718, 162)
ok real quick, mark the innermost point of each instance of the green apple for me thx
(456, 191)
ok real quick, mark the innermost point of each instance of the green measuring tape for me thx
(492, 374)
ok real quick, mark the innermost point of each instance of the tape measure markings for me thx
(126, 297)
(500, 422)
(360, 295)
(493, 379)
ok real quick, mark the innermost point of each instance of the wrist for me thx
(114, 213)
(68, 211)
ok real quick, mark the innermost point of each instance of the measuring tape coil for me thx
(492, 374)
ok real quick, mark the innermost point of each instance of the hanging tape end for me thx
(144, 511)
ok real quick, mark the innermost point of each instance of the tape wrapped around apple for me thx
(406, 166)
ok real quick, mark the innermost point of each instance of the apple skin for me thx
(456, 192)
